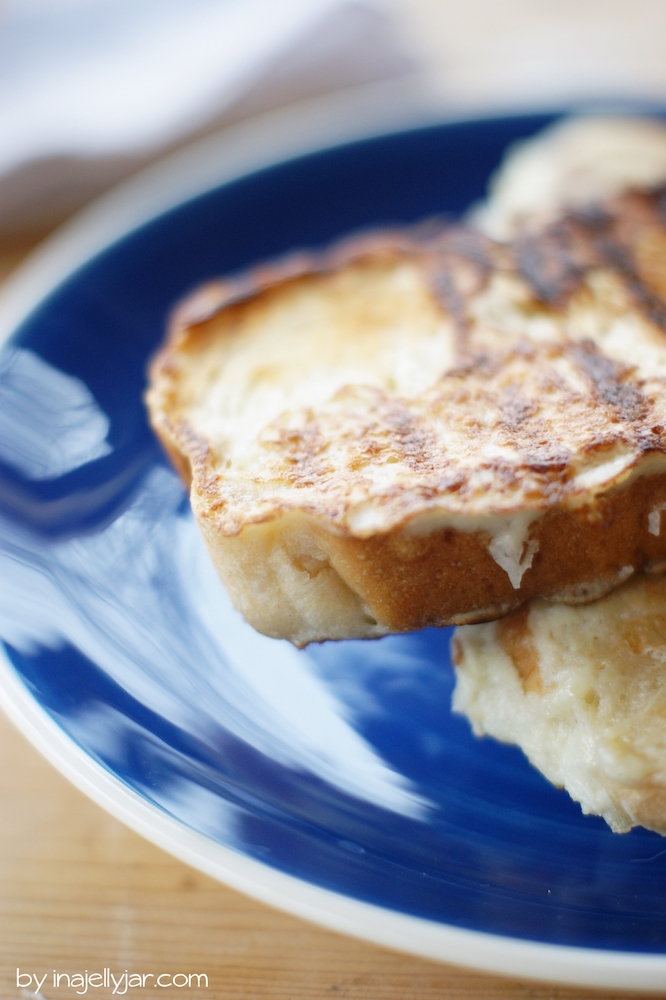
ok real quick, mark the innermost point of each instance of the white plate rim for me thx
(277, 137)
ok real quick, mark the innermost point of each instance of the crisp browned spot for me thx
(516, 640)
(456, 651)
(625, 235)
(549, 266)
(606, 377)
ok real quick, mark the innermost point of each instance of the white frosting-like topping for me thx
(509, 550)
(509, 545)
(605, 471)
(654, 519)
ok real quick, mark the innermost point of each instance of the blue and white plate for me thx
(333, 782)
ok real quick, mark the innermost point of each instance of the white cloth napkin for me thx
(92, 89)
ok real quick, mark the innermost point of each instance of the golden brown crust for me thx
(450, 577)
(528, 462)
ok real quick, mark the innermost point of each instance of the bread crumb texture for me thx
(583, 692)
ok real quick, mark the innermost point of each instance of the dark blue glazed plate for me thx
(333, 782)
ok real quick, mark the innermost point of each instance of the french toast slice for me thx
(583, 692)
(425, 427)
(576, 161)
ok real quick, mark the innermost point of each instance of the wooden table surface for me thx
(79, 891)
